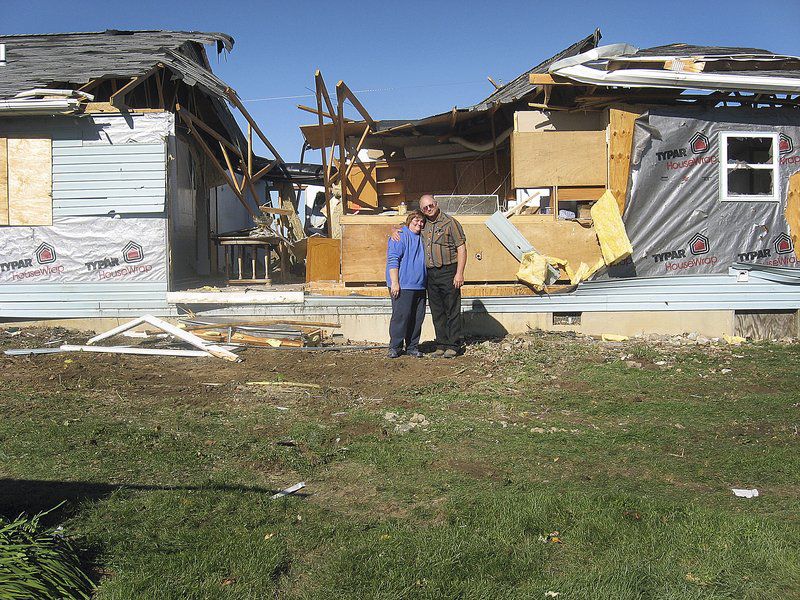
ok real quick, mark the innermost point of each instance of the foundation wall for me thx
(374, 327)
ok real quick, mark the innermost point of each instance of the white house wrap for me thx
(678, 217)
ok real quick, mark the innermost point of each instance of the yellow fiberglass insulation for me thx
(533, 269)
(614, 242)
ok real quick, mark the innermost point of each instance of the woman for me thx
(406, 278)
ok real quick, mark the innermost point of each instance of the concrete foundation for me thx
(374, 326)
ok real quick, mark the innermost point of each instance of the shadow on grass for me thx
(32, 496)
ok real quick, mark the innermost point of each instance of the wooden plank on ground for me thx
(620, 142)
(3, 182)
(558, 158)
(30, 181)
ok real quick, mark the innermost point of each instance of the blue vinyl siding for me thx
(98, 179)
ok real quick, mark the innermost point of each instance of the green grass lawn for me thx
(628, 451)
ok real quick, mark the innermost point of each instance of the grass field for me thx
(543, 465)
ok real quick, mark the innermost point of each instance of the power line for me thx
(371, 90)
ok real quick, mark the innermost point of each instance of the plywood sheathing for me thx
(620, 142)
(364, 246)
(30, 181)
(792, 212)
(556, 158)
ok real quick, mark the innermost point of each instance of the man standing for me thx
(445, 259)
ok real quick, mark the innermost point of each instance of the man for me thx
(445, 259)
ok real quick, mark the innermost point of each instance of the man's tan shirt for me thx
(441, 237)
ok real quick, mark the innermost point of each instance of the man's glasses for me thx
(428, 207)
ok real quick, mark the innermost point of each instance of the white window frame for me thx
(724, 167)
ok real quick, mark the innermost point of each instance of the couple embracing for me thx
(426, 258)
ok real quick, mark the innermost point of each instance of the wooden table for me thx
(238, 245)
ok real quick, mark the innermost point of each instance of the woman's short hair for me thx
(413, 215)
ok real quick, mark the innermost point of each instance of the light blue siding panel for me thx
(61, 180)
(98, 179)
(108, 150)
(66, 310)
(123, 191)
(67, 143)
(97, 296)
(130, 184)
(69, 288)
(88, 211)
(132, 167)
(105, 159)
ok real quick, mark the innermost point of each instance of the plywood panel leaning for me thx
(555, 158)
(620, 142)
(30, 181)
(3, 182)
(792, 212)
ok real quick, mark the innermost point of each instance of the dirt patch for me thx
(342, 376)
(477, 468)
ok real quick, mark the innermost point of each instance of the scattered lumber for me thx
(185, 336)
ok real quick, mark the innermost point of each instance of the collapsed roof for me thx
(53, 60)
(683, 67)
(65, 61)
(601, 76)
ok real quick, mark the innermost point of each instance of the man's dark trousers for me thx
(445, 302)
(408, 313)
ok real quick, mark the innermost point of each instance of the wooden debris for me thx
(130, 350)
(185, 336)
(285, 384)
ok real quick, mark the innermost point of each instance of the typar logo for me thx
(785, 144)
(783, 244)
(699, 143)
(45, 254)
(699, 244)
(132, 252)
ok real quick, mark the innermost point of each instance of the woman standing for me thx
(406, 279)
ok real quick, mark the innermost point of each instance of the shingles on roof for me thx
(38, 61)
(690, 50)
(519, 87)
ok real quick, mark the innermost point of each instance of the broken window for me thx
(748, 166)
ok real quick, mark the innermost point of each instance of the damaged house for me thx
(120, 159)
(697, 147)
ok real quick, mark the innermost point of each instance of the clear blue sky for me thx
(419, 57)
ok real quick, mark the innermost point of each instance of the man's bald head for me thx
(429, 206)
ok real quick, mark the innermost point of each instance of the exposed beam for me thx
(342, 88)
(199, 123)
(319, 86)
(239, 185)
(315, 111)
(118, 97)
(547, 79)
(214, 161)
(238, 104)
